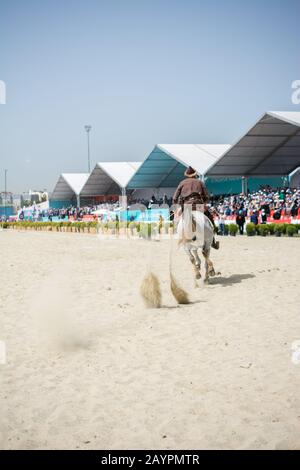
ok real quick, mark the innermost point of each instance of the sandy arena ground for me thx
(88, 366)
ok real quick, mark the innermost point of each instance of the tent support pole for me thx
(243, 184)
(123, 198)
(123, 203)
(78, 200)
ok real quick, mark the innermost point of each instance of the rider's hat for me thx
(190, 172)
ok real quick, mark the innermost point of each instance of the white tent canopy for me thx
(270, 148)
(198, 156)
(295, 178)
(165, 165)
(109, 178)
(69, 185)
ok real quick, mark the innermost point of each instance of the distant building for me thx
(33, 197)
(6, 204)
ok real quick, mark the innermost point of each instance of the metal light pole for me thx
(88, 129)
(5, 191)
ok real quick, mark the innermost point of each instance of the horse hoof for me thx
(198, 276)
(212, 272)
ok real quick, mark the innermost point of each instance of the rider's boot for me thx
(215, 244)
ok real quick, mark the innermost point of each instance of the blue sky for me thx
(140, 72)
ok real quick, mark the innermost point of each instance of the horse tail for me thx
(180, 294)
(150, 286)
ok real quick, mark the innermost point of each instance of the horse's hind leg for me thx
(209, 267)
(196, 263)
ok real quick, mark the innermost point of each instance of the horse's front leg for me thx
(195, 260)
(196, 263)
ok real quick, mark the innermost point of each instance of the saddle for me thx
(196, 201)
(193, 199)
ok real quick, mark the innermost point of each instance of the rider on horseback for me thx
(192, 190)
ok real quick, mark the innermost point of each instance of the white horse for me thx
(195, 231)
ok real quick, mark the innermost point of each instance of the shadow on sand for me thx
(191, 302)
(229, 281)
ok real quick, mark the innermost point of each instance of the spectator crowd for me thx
(256, 206)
